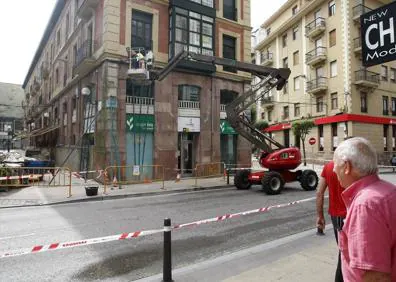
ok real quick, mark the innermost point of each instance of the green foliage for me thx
(302, 128)
(261, 125)
(253, 112)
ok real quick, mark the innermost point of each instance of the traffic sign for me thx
(312, 141)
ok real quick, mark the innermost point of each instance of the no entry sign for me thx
(312, 140)
(378, 33)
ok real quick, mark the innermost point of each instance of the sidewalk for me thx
(299, 257)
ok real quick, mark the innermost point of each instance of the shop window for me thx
(321, 138)
(334, 135)
(386, 127)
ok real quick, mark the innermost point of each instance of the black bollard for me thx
(228, 176)
(167, 270)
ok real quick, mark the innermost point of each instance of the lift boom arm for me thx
(270, 78)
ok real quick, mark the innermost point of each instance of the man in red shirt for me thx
(337, 209)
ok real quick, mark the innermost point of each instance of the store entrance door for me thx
(187, 155)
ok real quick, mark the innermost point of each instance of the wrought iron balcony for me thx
(86, 8)
(317, 85)
(315, 28)
(316, 56)
(357, 45)
(84, 60)
(359, 10)
(367, 78)
(267, 58)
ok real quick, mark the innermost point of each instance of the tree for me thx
(261, 125)
(253, 112)
(302, 128)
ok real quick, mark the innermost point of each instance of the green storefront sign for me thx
(226, 128)
(139, 123)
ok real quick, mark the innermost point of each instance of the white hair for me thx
(360, 153)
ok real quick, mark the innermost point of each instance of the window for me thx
(294, 10)
(295, 33)
(386, 128)
(393, 137)
(286, 112)
(142, 24)
(56, 77)
(285, 62)
(284, 40)
(363, 102)
(332, 8)
(334, 134)
(227, 96)
(58, 38)
(334, 101)
(297, 110)
(332, 38)
(191, 31)
(229, 50)
(333, 68)
(229, 10)
(297, 83)
(393, 106)
(319, 104)
(269, 115)
(296, 58)
(65, 72)
(208, 3)
(263, 115)
(75, 52)
(384, 73)
(393, 75)
(286, 88)
(67, 26)
(189, 93)
(385, 105)
(320, 143)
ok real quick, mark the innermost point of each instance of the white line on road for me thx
(16, 236)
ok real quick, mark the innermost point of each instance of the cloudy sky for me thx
(22, 25)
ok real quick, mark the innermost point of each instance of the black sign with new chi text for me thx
(378, 33)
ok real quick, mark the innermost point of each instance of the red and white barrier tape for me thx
(228, 216)
(123, 236)
(67, 245)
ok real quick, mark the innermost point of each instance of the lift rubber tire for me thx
(309, 180)
(241, 180)
(272, 183)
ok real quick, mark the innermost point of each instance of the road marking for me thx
(17, 236)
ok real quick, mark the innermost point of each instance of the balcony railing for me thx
(367, 78)
(317, 84)
(222, 107)
(266, 58)
(357, 43)
(316, 55)
(359, 10)
(84, 52)
(147, 101)
(183, 104)
(315, 27)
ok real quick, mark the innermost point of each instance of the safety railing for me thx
(139, 100)
(208, 170)
(133, 174)
(20, 177)
(183, 104)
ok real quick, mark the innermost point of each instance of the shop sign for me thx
(140, 123)
(188, 124)
(226, 128)
(378, 33)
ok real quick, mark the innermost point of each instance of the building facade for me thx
(11, 116)
(320, 42)
(91, 104)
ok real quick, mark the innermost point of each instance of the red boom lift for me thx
(280, 162)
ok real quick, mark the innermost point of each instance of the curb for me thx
(122, 196)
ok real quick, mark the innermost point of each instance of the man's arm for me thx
(322, 186)
(375, 276)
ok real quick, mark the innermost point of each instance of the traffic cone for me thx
(177, 177)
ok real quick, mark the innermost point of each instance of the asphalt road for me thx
(129, 260)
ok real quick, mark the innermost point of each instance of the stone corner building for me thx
(320, 42)
(81, 101)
